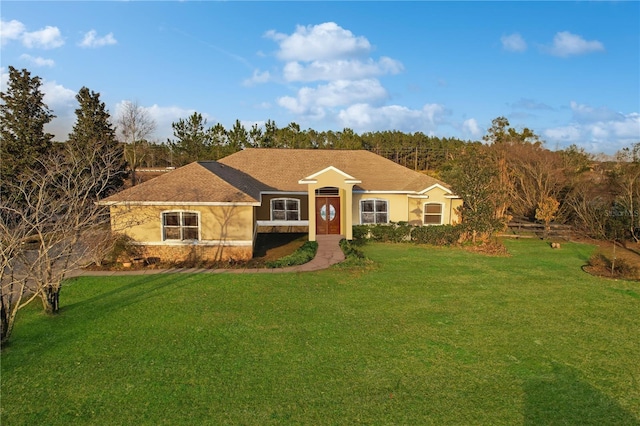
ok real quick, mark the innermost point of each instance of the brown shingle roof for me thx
(240, 177)
(281, 169)
(196, 182)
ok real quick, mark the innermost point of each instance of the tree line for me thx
(512, 175)
(509, 174)
(195, 140)
(50, 223)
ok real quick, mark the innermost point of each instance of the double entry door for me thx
(327, 215)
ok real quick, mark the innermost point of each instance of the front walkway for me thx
(329, 253)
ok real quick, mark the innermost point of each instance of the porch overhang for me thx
(331, 177)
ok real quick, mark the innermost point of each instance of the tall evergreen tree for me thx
(193, 142)
(23, 115)
(220, 141)
(473, 176)
(238, 137)
(93, 136)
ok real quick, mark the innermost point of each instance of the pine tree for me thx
(93, 136)
(193, 142)
(23, 115)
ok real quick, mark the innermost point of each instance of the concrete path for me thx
(329, 253)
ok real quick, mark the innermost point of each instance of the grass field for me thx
(425, 336)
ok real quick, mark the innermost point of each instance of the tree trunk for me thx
(133, 176)
(4, 319)
(52, 300)
(613, 259)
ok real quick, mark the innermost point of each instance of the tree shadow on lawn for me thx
(100, 305)
(145, 287)
(561, 398)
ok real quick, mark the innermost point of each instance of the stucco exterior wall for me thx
(225, 231)
(410, 208)
(217, 223)
(397, 204)
(455, 217)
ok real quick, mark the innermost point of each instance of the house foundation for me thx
(195, 253)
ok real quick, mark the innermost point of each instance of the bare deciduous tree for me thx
(625, 182)
(538, 176)
(13, 284)
(42, 225)
(134, 127)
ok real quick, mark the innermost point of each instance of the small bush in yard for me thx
(350, 249)
(360, 234)
(440, 235)
(391, 233)
(352, 253)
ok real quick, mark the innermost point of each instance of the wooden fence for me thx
(523, 229)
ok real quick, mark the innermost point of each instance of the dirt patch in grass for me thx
(622, 262)
(490, 248)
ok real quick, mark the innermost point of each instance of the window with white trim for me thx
(374, 211)
(432, 214)
(285, 209)
(180, 226)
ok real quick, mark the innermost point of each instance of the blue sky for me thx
(570, 71)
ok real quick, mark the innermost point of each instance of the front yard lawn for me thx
(425, 336)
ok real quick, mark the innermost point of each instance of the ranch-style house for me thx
(215, 209)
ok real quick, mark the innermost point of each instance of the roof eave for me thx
(178, 203)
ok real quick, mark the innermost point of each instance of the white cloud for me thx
(37, 61)
(4, 79)
(530, 104)
(513, 43)
(10, 30)
(329, 53)
(57, 96)
(325, 41)
(91, 40)
(258, 77)
(470, 127)
(567, 134)
(585, 114)
(364, 117)
(567, 44)
(628, 128)
(348, 93)
(340, 69)
(597, 129)
(62, 101)
(47, 38)
(313, 101)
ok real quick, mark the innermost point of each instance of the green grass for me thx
(426, 336)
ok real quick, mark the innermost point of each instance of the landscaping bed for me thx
(268, 250)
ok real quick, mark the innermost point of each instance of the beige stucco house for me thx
(215, 209)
